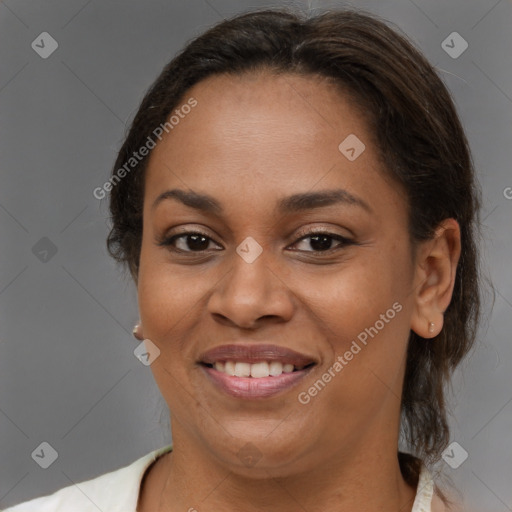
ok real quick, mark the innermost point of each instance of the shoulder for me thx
(114, 491)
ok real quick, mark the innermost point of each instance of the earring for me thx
(431, 326)
(137, 332)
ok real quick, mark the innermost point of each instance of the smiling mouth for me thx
(256, 370)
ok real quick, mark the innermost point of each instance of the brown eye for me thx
(322, 241)
(192, 242)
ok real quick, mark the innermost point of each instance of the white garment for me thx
(118, 491)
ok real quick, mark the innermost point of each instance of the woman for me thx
(296, 203)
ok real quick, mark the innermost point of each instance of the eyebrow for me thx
(294, 203)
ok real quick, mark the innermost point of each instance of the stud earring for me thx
(137, 332)
(431, 326)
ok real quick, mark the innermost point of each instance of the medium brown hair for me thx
(419, 138)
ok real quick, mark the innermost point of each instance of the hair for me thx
(419, 139)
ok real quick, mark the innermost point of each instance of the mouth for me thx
(255, 371)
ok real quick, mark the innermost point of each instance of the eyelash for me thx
(167, 242)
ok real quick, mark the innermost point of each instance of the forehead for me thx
(296, 109)
(261, 133)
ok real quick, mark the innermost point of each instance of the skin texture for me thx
(249, 142)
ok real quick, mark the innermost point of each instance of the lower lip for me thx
(249, 387)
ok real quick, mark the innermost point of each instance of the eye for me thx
(321, 241)
(194, 240)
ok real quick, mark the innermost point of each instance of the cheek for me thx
(364, 315)
(168, 310)
(354, 298)
(167, 301)
(161, 300)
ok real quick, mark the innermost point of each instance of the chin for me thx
(262, 452)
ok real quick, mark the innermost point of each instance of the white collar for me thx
(424, 492)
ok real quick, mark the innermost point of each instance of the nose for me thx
(250, 294)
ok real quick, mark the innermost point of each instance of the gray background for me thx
(68, 375)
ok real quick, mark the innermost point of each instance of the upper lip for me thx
(253, 353)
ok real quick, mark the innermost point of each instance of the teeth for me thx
(229, 368)
(242, 369)
(260, 370)
(255, 370)
(276, 368)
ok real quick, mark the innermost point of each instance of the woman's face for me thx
(260, 282)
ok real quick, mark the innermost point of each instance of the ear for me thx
(435, 270)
